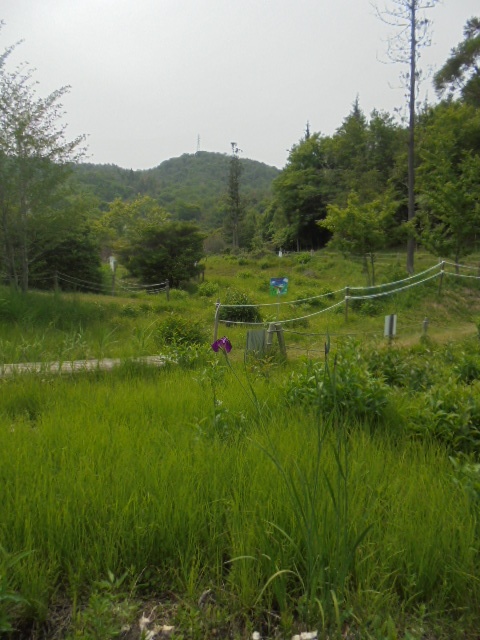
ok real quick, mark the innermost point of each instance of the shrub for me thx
(303, 258)
(178, 294)
(241, 313)
(176, 329)
(450, 412)
(467, 367)
(207, 289)
(130, 311)
(347, 386)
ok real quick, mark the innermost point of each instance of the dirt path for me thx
(74, 366)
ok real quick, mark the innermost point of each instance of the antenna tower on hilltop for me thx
(198, 143)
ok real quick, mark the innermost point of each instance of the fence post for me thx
(425, 326)
(281, 340)
(270, 331)
(114, 271)
(215, 326)
(167, 288)
(442, 271)
(347, 291)
(55, 281)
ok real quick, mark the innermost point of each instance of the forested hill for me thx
(192, 186)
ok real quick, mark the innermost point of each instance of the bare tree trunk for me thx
(411, 135)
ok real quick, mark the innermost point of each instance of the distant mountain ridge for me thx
(192, 186)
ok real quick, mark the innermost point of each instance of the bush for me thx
(207, 289)
(346, 385)
(303, 258)
(177, 330)
(450, 412)
(241, 313)
(178, 294)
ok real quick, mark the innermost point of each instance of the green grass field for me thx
(220, 497)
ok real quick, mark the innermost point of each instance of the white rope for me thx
(463, 266)
(388, 284)
(64, 276)
(83, 283)
(460, 275)
(274, 304)
(387, 293)
(133, 287)
(310, 315)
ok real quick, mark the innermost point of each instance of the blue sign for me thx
(278, 286)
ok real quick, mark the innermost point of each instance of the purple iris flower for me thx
(223, 344)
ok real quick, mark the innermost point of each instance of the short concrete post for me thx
(425, 324)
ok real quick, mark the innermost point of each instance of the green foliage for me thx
(34, 164)
(346, 386)
(300, 196)
(9, 598)
(207, 289)
(244, 312)
(449, 191)
(178, 294)
(124, 218)
(191, 187)
(303, 258)
(460, 72)
(467, 475)
(360, 228)
(107, 613)
(169, 251)
(175, 329)
(450, 412)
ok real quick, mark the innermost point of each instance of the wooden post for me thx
(55, 281)
(167, 289)
(270, 331)
(441, 277)
(347, 291)
(215, 326)
(281, 340)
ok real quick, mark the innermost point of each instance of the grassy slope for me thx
(137, 472)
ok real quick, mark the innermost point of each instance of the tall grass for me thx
(291, 511)
(124, 473)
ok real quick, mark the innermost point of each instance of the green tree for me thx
(360, 228)
(448, 181)
(35, 159)
(299, 194)
(460, 75)
(123, 218)
(154, 253)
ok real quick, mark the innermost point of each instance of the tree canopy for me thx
(35, 159)
(460, 75)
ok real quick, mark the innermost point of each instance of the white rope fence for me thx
(381, 290)
(388, 293)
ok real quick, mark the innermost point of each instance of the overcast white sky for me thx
(149, 76)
